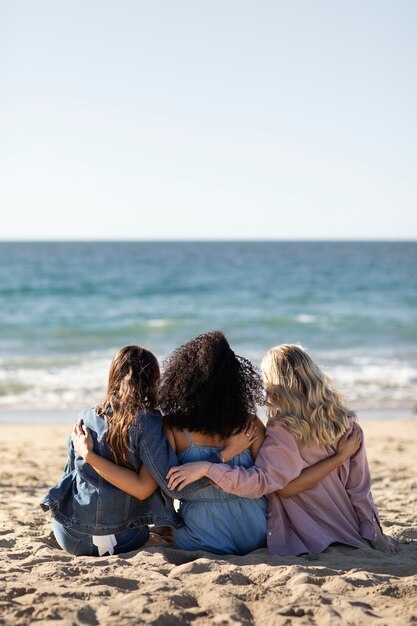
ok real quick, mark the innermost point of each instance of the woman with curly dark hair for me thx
(209, 389)
(208, 394)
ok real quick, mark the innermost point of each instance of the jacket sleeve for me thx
(277, 463)
(358, 487)
(70, 464)
(156, 452)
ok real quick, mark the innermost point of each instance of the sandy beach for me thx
(163, 586)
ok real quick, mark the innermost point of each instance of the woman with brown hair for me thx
(90, 516)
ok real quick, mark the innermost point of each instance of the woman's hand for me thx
(82, 440)
(236, 444)
(181, 475)
(349, 443)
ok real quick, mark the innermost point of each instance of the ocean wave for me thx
(294, 321)
(376, 385)
(64, 383)
(52, 383)
(162, 323)
(305, 318)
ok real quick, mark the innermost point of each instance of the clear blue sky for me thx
(173, 119)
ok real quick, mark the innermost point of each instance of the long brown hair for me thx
(132, 386)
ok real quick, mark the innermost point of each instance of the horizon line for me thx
(214, 240)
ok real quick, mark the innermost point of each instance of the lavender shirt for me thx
(338, 509)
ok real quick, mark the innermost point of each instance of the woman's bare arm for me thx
(348, 445)
(252, 437)
(259, 436)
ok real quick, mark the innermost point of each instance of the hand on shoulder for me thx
(349, 443)
(82, 439)
(252, 437)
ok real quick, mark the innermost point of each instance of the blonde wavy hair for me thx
(302, 398)
(132, 387)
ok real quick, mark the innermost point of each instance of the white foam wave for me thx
(54, 385)
(159, 323)
(367, 381)
(305, 318)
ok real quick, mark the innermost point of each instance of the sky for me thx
(208, 119)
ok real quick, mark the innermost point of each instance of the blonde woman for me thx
(306, 417)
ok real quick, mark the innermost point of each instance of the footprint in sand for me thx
(87, 615)
(184, 601)
(7, 543)
(195, 567)
(124, 584)
(305, 579)
(18, 592)
(232, 578)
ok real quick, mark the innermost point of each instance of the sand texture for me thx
(163, 586)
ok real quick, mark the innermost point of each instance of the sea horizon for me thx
(63, 315)
(211, 240)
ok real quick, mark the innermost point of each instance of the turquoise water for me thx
(66, 307)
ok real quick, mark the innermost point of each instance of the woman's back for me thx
(339, 508)
(87, 502)
(207, 395)
(214, 520)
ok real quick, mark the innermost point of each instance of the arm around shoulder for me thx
(277, 463)
(347, 445)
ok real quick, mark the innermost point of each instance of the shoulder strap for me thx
(188, 436)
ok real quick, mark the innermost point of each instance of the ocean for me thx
(65, 308)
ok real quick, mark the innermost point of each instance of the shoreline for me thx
(68, 416)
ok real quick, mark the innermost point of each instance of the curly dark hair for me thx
(207, 388)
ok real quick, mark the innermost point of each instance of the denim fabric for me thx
(217, 521)
(81, 544)
(84, 501)
(158, 456)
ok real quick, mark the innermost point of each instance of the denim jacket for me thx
(86, 502)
